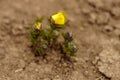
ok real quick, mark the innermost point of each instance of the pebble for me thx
(103, 18)
(86, 73)
(65, 64)
(117, 32)
(18, 70)
(108, 28)
(57, 78)
(36, 70)
(86, 10)
(6, 20)
(96, 60)
(116, 12)
(92, 18)
(22, 64)
(19, 27)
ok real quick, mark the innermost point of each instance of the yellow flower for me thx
(58, 18)
(38, 25)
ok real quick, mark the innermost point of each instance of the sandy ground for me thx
(95, 24)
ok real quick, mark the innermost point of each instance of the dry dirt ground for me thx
(95, 24)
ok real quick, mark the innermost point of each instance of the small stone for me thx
(108, 28)
(102, 18)
(22, 64)
(74, 59)
(18, 70)
(36, 70)
(65, 64)
(86, 59)
(57, 78)
(20, 27)
(86, 10)
(6, 20)
(92, 18)
(86, 73)
(116, 12)
(117, 32)
(71, 18)
(96, 60)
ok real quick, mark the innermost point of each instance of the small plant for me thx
(44, 40)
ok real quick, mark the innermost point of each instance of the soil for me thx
(94, 23)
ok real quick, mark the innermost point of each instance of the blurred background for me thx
(94, 23)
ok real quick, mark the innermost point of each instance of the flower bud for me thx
(44, 47)
(37, 26)
(73, 47)
(68, 36)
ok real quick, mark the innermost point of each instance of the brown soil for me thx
(95, 24)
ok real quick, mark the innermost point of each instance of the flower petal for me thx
(38, 25)
(58, 18)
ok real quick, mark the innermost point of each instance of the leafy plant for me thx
(44, 40)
